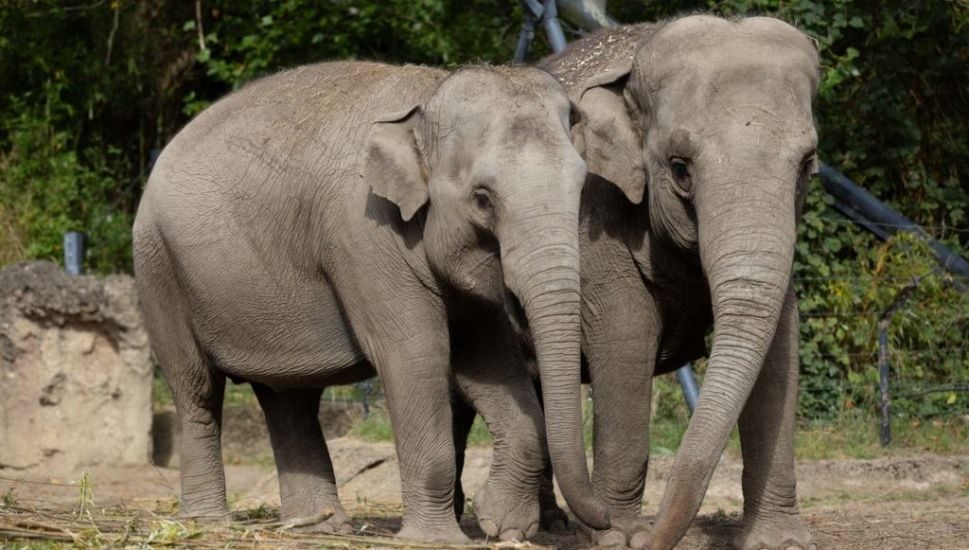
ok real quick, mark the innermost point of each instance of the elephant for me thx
(346, 219)
(700, 140)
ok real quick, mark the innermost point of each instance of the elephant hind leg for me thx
(197, 387)
(307, 485)
(463, 418)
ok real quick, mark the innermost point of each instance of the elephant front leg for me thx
(490, 373)
(414, 369)
(771, 517)
(621, 336)
(307, 485)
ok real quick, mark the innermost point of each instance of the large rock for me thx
(75, 374)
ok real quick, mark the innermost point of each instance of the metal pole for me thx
(884, 367)
(885, 402)
(367, 386)
(862, 203)
(691, 389)
(533, 13)
(74, 252)
(553, 29)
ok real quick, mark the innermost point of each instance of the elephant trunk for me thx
(746, 239)
(541, 269)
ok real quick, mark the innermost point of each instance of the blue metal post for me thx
(691, 389)
(74, 252)
(553, 29)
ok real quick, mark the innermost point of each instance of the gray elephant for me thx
(707, 127)
(700, 140)
(293, 238)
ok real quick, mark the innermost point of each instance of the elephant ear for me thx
(393, 165)
(606, 134)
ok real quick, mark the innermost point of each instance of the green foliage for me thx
(47, 188)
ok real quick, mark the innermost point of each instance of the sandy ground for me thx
(898, 502)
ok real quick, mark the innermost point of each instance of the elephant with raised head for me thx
(706, 126)
(344, 219)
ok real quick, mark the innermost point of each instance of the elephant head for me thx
(710, 122)
(487, 166)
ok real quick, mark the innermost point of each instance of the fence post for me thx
(884, 367)
(884, 400)
(367, 387)
(74, 252)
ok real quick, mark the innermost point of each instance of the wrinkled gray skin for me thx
(288, 240)
(708, 129)
(706, 126)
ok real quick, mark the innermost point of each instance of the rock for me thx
(75, 372)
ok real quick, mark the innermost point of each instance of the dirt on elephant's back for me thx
(896, 502)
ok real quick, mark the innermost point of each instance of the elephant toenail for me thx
(639, 540)
(612, 538)
(512, 534)
(531, 531)
(813, 547)
(792, 547)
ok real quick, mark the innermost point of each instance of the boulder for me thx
(75, 371)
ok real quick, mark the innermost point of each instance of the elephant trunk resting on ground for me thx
(706, 128)
(293, 238)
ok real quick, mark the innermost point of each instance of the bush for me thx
(47, 188)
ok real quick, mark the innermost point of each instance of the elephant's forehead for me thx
(496, 93)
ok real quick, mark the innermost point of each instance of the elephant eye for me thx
(482, 200)
(681, 175)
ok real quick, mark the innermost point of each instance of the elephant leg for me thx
(307, 486)
(620, 332)
(202, 471)
(462, 419)
(197, 388)
(414, 366)
(553, 518)
(491, 373)
(771, 516)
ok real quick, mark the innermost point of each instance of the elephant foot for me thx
(625, 532)
(506, 516)
(441, 534)
(784, 531)
(205, 514)
(328, 520)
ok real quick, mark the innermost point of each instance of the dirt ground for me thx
(897, 502)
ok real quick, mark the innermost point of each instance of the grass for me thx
(235, 394)
(377, 428)
(852, 435)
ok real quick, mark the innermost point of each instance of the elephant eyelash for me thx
(680, 176)
(481, 200)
